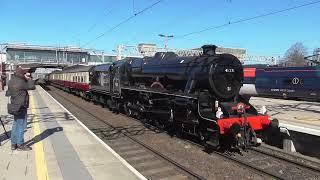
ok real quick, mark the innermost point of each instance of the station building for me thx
(49, 58)
(23, 54)
(26, 54)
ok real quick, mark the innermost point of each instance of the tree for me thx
(295, 55)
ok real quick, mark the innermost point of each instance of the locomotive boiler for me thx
(221, 75)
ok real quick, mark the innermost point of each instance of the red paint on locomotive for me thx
(257, 123)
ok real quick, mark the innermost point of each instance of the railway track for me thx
(140, 155)
(276, 165)
(148, 161)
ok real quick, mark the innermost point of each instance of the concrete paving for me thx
(301, 116)
(70, 150)
(14, 164)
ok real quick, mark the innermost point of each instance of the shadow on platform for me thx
(43, 135)
(40, 137)
(49, 117)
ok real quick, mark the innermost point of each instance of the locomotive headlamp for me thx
(238, 135)
(263, 110)
(219, 113)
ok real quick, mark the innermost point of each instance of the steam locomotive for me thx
(198, 95)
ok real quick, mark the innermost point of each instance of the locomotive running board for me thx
(161, 92)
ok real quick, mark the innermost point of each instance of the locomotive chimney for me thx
(209, 50)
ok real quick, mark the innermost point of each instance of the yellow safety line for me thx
(42, 171)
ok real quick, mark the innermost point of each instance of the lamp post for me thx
(166, 38)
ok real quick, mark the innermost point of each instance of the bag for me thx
(14, 109)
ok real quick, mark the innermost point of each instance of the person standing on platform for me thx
(3, 81)
(18, 87)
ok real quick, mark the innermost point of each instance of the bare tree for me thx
(295, 55)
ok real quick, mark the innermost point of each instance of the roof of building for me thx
(44, 48)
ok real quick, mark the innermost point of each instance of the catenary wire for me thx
(245, 19)
(92, 26)
(122, 22)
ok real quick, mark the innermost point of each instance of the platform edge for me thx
(137, 173)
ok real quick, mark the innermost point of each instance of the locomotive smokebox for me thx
(209, 50)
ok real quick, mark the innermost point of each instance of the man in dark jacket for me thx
(18, 87)
(3, 81)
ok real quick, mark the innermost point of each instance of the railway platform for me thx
(299, 116)
(62, 147)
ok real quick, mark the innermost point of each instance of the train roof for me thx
(102, 67)
(270, 68)
(120, 62)
(260, 66)
(56, 72)
(77, 68)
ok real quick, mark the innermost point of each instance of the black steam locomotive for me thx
(198, 95)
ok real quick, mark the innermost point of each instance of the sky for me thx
(79, 22)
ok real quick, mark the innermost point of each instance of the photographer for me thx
(18, 87)
(3, 81)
